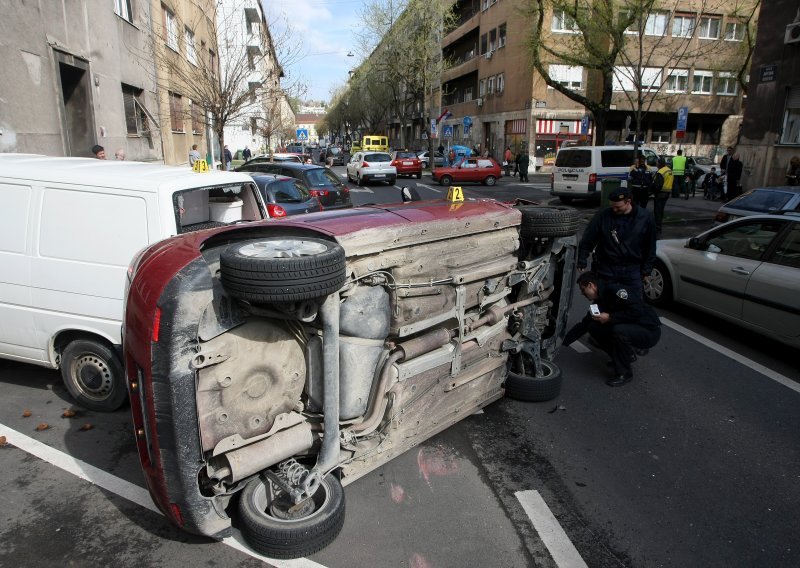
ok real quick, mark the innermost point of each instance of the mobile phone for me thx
(594, 309)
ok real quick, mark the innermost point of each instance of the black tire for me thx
(359, 181)
(565, 200)
(445, 180)
(529, 388)
(282, 269)
(278, 537)
(392, 181)
(93, 375)
(548, 221)
(490, 181)
(658, 288)
(419, 175)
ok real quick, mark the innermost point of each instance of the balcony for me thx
(464, 68)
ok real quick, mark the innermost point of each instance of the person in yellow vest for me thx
(679, 175)
(662, 188)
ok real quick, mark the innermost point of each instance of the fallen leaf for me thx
(43, 426)
(26, 413)
(68, 413)
(3, 441)
(86, 427)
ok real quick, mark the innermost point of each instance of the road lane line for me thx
(564, 553)
(125, 489)
(429, 187)
(580, 347)
(759, 368)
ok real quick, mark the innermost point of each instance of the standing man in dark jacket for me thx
(639, 180)
(621, 323)
(623, 237)
(733, 177)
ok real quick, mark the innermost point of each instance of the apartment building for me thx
(770, 134)
(76, 74)
(491, 85)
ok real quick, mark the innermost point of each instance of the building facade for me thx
(770, 134)
(76, 74)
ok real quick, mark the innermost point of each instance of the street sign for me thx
(302, 134)
(467, 121)
(434, 133)
(769, 73)
(447, 131)
(585, 125)
(683, 115)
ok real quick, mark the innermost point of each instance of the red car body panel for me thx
(458, 173)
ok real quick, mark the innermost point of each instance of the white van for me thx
(580, 170)
(69, 228)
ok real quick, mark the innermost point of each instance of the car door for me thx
(469, 170)
(715, 275)
(352, 165)
(772, 297)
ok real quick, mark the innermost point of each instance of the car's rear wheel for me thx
(419, 174)
(93, 375)
(490, 181)
(658, 288)
(392, 180)
(276, 527)
(445, 180)
(530, 388)
(547, 221)
(282, 269)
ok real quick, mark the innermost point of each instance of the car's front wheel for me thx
(658, 288)
(274, 526)
(445, 180)
(360, 180)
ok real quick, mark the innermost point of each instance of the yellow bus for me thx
(375, 143)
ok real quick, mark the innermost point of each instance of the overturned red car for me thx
(270, 363)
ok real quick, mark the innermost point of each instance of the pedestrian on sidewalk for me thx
(662, 189)
(507, 157)
(523, 162)
(733, 178)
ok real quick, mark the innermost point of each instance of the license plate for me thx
(570, 177)
(408, 163)
(379, 175)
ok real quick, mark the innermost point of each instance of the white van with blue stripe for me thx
(580, 170)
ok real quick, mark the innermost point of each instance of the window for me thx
(171, 29)
(790, 134)
(501, 35)
(662, 133)
(633, 27)
(727, 83)
(481, 87)
(745, 240)
(492, 40)
(188, 40)
(197, 119)
(573, 158)
(253, 88)
(708, 27)
(630, 79)
(682, 25)
(135, 119)
(253, 125)
(734, 31)
(701, 82)
(651, 78)
(788, 252)
(563, 22)
(122, 8)
(501, 82)
(468, 94)
(485, 4)
(569, 76)
(677, 81)
(484, 43)
(623, 79)
(212, 62)
(490, 86)
(656, 24)
(616, 158)
(176, 111)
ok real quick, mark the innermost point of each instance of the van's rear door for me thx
(571, 172)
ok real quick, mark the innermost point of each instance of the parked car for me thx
(276, 362)
(696, 166)
(407, 163)
(759, 201)
(69, 228)
(746, 271)
(276, 157)
(285, 196)
(438, 159)
(365, 167)
(336, 155)
(321, 182)
(471, 169)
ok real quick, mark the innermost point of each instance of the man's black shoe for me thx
(620, 380)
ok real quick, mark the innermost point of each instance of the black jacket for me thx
(635, 242)
(621, 306)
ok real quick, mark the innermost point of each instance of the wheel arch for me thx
(64, 337)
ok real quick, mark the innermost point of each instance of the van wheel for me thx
(275, 527)
(530, 388)
(282, 269)
(93, 375)
(490, 181)
(548, 221)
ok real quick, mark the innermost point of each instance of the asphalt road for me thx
(694, 463)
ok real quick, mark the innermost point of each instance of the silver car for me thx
(760, 201)
(746, 271)
(366, 166)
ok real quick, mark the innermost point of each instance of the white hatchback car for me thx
(366, 166)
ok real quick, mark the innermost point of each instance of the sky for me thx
(325, 30)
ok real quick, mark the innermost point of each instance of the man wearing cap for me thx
(623, 238)
(662, 188)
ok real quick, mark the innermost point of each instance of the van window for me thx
(207, 207)
(16, 200)
(97, 228)
(651, 159)
(574, 158)
(616, 158)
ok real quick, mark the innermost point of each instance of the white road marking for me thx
(759, 368)
(580, 347)
(361, 190)
(564, 553)
(428, 187)
(125, 489)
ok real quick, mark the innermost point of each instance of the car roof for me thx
(264, 178)
(136, 176)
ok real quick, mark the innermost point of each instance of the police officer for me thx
(621, 324)
(623, 237)
(679, 176)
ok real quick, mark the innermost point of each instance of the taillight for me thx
(319, 192)
(275, 210)
(156, 325)
(721, 217)
(345, 190)
(364, 165)
(593, 180)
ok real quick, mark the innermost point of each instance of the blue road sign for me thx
(585, 125)
(683, 115)
(302, 134)
(447, 131)
(467, 121)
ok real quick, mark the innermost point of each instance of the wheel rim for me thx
(490, 181)
(446, 180)
(282, 248)
(93, 377)
(281, 508)
(654, 287)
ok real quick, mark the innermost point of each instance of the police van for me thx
(580, 170)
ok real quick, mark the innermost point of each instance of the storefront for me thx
(552, 133)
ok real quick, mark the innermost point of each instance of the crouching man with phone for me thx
(619, 321)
